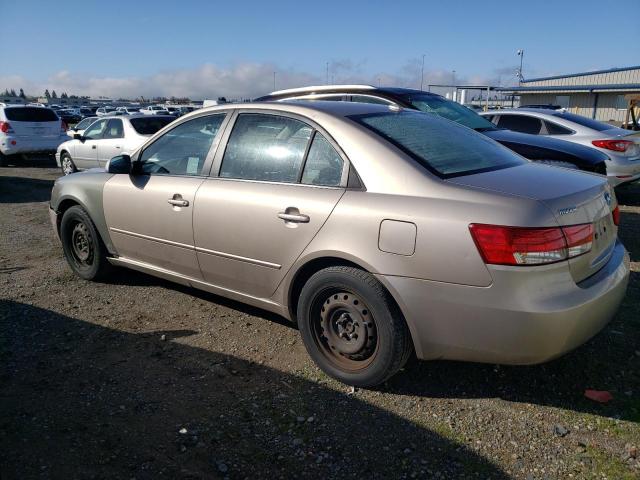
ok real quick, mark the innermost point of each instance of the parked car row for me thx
(381, 230)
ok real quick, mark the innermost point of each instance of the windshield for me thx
(150, 125)
(449, 110)
(444, 148)
(584, 121)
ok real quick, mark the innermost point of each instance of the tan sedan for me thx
(380, 231)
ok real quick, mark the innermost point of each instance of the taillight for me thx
(63, 126)
(501, 245)
(5, 127)
(615, 145)
(615, 213)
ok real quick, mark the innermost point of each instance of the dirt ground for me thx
(139, 378)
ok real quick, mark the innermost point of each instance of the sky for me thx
(206, 49)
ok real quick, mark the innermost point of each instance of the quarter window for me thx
(323, 165)
(183, 149)
(265, 147)
(114, 129)
(555, 129)
(521, 123)
(96, 130)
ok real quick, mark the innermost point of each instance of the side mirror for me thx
(77, 136)
(119, 164)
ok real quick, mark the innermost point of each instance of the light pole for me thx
(422, 73)
(327, 73)
(274, 81)
(453, 93)
(520, 53)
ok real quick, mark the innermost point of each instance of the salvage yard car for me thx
(381, 231)
(105, 138)
(620, 145)
(28, 129)
(539, 149)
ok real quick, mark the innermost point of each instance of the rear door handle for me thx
(178, 201)
(294, 217)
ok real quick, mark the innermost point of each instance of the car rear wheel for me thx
(351, 326)
(67, 165)
(83, 248)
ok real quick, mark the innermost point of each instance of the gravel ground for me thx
(140, 378)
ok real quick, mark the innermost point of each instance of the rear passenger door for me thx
(272, 188)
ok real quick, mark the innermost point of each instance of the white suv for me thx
(28, 129)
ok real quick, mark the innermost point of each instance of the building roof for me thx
(594, 72)
(613, 87)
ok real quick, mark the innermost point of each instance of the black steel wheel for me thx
(351, 326)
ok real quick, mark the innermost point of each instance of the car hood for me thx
(539, 147)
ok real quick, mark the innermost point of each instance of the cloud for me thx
(238, 81)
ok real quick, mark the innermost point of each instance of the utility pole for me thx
(520, 53)
(422, 73)
(274, 81)
(327, 73)
(453, 94)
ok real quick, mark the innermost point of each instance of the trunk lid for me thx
(573, 198)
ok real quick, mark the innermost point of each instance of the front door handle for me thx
(93, 147)
(178, 201)
(289, 216)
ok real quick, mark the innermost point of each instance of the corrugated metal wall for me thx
(626, 76)
(582, 104)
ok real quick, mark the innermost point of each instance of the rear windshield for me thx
(584, 121)
(450, 110)
(149, 126)
(443, 147)
(30, 114)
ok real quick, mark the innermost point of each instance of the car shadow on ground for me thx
(629, 194)
(31, 161)
(24, 190)
(78, 400)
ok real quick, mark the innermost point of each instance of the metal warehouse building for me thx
(599, 94)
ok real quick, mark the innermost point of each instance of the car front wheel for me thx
(83, 248)
(351, 327)
(67, 165)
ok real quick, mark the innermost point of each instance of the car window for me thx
(84, 123)
(149, 124)
(323, 165)
(95, 130)
(584, 121)
(30, 114)
(265, 147)
(443, 147)
(114, 129)
(555, 129)
(521, 123)
(183, 149)
(370, 99)
(448, 109)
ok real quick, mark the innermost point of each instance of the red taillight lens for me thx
(5, 127)
(615, 213)
(615, 145)
(501, 245)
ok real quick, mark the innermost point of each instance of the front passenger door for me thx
(86, 151)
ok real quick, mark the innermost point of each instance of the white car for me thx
(106, 138)
(153, 110)
(620, 145)
(26, 129)
(79, 127)
(102, 111)
(128, 110)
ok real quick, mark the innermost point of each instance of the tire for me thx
(4, 160)
(84, 250)
(351, 327)
(67, 165)
(558, 163)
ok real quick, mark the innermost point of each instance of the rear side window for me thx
(265, 147)
(323, 165)
(30, 114)
(584, 121)
(443, 147)
(183, 149)
(149, 126)
(555, 129)
(521, 123)
(114, 129)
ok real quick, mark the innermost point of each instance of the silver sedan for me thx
(380, 231)
(620, 145)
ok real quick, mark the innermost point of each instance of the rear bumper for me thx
(623, 171)
(523, 317)
(10, 145)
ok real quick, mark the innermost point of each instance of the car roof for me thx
(369, 89)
